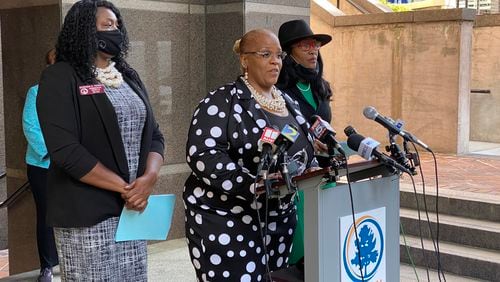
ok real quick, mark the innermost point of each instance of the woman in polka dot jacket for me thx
(222, 212)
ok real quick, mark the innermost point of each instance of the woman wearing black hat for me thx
(301, 75)
(301, 78)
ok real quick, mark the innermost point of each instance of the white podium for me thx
(329, 238)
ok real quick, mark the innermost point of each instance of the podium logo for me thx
(370, 253)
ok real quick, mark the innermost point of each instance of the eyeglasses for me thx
(307, 45)
(267, 54)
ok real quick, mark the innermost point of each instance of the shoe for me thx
(45, 275)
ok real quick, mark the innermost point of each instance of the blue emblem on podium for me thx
(370, 253)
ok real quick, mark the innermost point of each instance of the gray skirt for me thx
(91, 254)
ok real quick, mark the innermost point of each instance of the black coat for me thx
(323, 110)
(80, 130)
(241, 126)
(222, 151)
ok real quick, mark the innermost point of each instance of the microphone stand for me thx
(286, 175)
(398, 154)
(412, 157)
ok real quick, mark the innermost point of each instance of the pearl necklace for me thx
(109, 76)
(275, 104)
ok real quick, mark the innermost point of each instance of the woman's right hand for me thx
(320, 147)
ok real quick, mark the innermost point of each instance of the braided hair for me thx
(77, 43)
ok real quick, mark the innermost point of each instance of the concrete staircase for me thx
(469, 233)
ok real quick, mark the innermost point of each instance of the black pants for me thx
(47, 251)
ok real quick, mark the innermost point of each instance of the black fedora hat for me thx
(293, 31)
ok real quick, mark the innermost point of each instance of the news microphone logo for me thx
(366, 147)
(320, 128)
(317, 129)
(269, 135)
(290, 133)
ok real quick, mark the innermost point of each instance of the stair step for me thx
(459, 230)
(460, 260)
(407, 274)
(453, 202)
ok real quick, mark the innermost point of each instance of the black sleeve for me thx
(57, 108)
(208, 145)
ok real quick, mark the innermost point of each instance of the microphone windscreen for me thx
(349, 130)
(370, 112)
(354, 141)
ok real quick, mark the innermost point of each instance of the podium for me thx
(329, 240)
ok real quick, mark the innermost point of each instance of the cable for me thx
(437, 215)
(265, 238)
(435, 242)
(264, 247)
(408, 251)
(420, 228)
(354, 223)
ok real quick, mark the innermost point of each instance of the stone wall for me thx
(413, 66)
(29, 30)
(485, 117)
(3, 182)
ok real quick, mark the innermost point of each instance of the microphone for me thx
(285, 140)
(367, 147)
(266, 141)
(349, 130)
(371, 113)
(266, 146)
(324, 133)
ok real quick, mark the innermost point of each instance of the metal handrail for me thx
(480, 91)
(16, 195)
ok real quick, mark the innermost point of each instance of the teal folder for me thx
(151, 224)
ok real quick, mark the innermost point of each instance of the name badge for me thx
(91, 89)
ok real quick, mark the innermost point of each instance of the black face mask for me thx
(110, 42)
(304, 73)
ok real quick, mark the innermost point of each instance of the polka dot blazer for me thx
(228, 230)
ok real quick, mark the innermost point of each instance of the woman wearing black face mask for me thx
(301, 78)
(104, 144)
(301, 75)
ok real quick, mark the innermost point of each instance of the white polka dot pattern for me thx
(221, 223)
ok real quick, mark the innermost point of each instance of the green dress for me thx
(298, 238)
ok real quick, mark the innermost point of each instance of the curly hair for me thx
(77, 43)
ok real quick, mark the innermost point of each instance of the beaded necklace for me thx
(275, 104)
(109, 76)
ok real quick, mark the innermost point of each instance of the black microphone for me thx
(266, 146)
(324, 133)
(285, 140)
(371, 113)
(349, 130)
(367, 147)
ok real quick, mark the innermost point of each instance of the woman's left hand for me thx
(136, 197)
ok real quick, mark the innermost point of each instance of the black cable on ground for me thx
(354, 223)
(435, 240)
